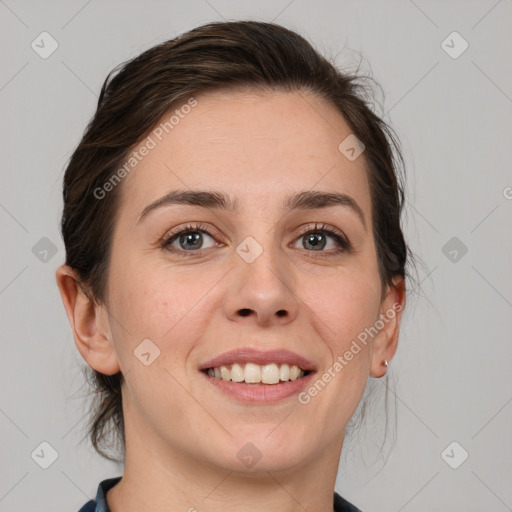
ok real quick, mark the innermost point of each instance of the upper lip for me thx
(251, 355)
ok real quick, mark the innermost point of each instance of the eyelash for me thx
(342, 242)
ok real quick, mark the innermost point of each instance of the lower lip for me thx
(261, 393)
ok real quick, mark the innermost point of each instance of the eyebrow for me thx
(307, 200)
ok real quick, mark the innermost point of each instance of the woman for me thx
(235, 270)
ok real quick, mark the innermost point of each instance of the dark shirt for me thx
(100, 504)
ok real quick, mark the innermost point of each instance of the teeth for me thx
(270, 374)
(251, 373)
(225, 373)
(284, 372)
(237, 373)
(294, 372)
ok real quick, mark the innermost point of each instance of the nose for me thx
(262, 291)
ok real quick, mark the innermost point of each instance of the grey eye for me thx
(190, 241)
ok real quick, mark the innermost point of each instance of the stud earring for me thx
(385, 363)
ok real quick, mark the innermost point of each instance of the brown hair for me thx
(135, 96)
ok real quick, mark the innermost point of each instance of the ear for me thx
(89, 322)
(385, 342)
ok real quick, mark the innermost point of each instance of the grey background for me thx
(452, 373)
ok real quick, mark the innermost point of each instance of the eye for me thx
(316, 239)
(189, 239)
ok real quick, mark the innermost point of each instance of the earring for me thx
(385, 363)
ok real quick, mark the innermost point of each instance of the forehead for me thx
(258, 147)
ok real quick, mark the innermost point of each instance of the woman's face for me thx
(247, 278)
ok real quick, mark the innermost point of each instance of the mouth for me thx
(250, 375)
(256, 374)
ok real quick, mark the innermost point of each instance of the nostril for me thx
(245, 312)
(281, 312)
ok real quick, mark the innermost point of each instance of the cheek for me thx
(345, 304)
(166, 305)
(161, 304)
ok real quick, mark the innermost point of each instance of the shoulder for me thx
(342, 505)
(100, 503)
(90, 506)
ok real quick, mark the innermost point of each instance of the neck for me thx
(163, 478)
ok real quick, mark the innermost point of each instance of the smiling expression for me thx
(244, 228)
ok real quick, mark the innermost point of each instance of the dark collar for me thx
(100, 505)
